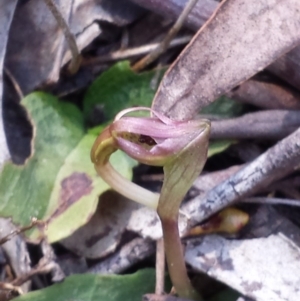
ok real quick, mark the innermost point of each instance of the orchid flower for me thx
(181, 148)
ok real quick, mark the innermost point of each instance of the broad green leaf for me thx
(119, 88)
(89, 287)
(76, 190)
(58, 183)
(25, 190)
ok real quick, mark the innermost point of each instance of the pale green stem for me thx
(125, 187)
(175, 260)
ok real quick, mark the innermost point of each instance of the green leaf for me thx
(25, 190)
(76, 190)
(58, 183)
(119, 88)
(217, 147)
(89, 287)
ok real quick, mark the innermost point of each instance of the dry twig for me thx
(43, 267)
(33, 223)
(277, 162)
(269, 124)
(70, 38)
(132, 52)
(10, 287)
(144, 62)
(272, 201)
(266, 95)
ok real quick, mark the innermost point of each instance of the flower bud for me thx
(179, 146)
(157, 140)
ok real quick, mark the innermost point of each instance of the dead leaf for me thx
(287, 67)
(101, 235)
(7, 9)
(250, 266)
(172, 8)
(266, 95)
(239, 40)
(36, 48)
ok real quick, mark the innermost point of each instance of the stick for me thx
(70, 38)
(166, 41)
(277, 162)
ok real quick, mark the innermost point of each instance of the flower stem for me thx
(127, 188)
(175, 260)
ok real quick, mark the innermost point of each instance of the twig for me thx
(277, 162)
(70, 38)
(266, 95)
(133, 252)
(132, 52)
(208, 181)
(33, 223)
(50, 258)
(160, 267)
(43, 267)
(269, 124)
(10, 287)
(272, 201)
(166, 41)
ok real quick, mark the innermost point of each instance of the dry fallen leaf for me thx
(37, 48)
(240, 39)
(101, 235)
(286, 67)
(250, 266)
(6, 14)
